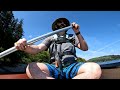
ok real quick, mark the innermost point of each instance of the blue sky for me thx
(100, 29)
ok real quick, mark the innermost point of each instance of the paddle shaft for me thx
(13, 49)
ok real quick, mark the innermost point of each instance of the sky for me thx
(100, 29)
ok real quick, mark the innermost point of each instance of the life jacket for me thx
(62, 51)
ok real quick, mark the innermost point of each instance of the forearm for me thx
(32, 49)
(82, 43)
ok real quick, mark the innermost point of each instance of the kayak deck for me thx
(13, 76)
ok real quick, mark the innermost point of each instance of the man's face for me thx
(60, 25)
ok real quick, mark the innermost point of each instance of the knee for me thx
(28, 69)
(95, 70)
(28, 72)
(36, 67)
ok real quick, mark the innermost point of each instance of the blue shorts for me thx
(67, 72)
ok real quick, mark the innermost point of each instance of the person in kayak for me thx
(63, 60)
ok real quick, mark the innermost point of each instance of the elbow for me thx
(85, 49)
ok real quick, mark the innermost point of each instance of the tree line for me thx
(105, 58)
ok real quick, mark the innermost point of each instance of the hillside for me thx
(104, 58)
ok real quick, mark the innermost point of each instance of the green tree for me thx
(40, 57)
(105, 58)
(10, 31)
(79, 59)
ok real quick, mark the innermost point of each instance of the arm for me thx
(82, 43)
(31, 49)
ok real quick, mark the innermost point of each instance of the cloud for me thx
(108, 45)
(92, 39)
(93, 42)
(97, 54)
(95, 50)
(30, 36)
(92, 54)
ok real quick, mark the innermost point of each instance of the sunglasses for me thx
(60, 25)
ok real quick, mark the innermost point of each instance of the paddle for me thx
(13, 49)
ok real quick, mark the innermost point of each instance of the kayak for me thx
(13, 72)
(111, 73)
(14, 76)
(110, 70)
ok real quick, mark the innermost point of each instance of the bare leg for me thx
(38, 71)
(89, 70)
